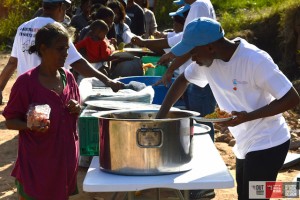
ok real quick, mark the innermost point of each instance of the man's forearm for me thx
(86, 70)
(157, 45)
(7, 72)
(178, 61)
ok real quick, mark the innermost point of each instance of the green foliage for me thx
(162, 10)
(236, 15)
(20, 11)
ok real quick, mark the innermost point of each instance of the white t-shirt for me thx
(200, 8)
(126, 33)
(250, 80)
(25, 38)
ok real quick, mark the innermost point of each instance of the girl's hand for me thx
(113, 41)
(74, 107)
(43, 127)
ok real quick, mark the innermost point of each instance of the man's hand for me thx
(238, 118)
(166, 79)
(166, 58)
(158, 34)
(137, 41)
(43, 128)
(115, 85)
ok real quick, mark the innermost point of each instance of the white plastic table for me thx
(208, 172)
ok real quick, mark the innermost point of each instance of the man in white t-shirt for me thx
(20, 59)
(246, 83)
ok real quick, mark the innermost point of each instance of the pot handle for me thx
(149, 137)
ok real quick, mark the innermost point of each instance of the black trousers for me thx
(261, 165)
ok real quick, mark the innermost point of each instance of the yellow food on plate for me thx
(145, 49)
(218, 114)
(121, 46)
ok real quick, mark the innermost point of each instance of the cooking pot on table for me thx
(135, 143)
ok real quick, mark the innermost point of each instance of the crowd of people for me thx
(62, 44)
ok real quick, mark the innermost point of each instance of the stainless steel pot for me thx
(135, 143)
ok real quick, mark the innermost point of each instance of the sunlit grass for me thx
(236, 15)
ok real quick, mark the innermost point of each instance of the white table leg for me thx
(131, 195)
(186, 194)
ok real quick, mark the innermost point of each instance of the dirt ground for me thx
(8, 153)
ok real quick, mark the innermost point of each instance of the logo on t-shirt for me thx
(235, 83)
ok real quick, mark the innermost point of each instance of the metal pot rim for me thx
(101, 115)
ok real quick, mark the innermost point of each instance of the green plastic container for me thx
(88, 133)
(150, 59)
(159, 70)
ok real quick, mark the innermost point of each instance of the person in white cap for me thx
(196, 98)
(246, 83)
(20, 59)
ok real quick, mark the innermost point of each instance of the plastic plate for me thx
(203, 119)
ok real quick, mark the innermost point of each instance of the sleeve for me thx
(170, 34)
(19, 100)
(104, 50)
(268, 77)
(74, 86)
(80, 45)
(127, 34)
(194, 74)
(172, 41)
(73, 55)
(153, 24)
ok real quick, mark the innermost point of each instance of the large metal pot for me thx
(135, 143)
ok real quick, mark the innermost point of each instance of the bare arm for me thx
(86, 70)
(176, 63)
(156, 45)
(175, 92)
(288, 101)
(6, 73)
(16, 124)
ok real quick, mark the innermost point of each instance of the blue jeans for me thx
(201, 100)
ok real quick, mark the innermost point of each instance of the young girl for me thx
(46, 167)
(95, 46)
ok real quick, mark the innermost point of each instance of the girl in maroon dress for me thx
(46, 167)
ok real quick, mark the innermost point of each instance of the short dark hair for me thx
(46, 35)
(51, 5)
(117, 5)
(104, 12)
(99, 24)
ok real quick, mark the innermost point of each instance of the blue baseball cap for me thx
(199, 32)
(55, 1)
(180, 10)
(179, 2)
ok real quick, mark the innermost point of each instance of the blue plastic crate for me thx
(160, 91)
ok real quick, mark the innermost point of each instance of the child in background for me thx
(178, 22)
(94, 47)
(47, 162)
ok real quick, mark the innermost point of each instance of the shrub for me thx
(22, 11)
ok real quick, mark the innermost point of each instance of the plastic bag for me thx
(37, 115)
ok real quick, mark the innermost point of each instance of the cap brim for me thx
(179, 2)
(172, 14)
(68, 1)
(181, 48)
